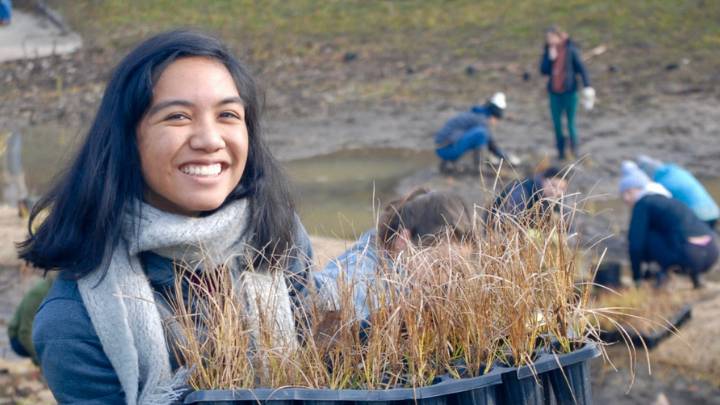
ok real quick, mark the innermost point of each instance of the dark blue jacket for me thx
(69, 350)
(574, 66)
(455, 127)
(71, 356)
(664, 216)
(519, 196)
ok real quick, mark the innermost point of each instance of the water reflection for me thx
(335, 192)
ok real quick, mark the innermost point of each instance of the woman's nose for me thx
(207, 136)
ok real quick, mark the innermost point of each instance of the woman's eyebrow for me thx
(164, 104)
(231, 100)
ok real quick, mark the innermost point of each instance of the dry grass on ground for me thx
(696, 349)
(645, 309)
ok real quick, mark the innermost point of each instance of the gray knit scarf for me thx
(122, 306)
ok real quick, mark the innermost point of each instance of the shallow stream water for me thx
(338, 195)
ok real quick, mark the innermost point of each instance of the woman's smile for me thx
(202, 170)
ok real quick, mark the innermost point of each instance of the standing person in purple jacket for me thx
(561, 61)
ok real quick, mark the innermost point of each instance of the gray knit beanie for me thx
(632, 177)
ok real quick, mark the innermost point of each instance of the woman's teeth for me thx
(202, 170)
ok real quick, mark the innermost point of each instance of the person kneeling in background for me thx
(683, 186)
(522, 196)
(420, 220)
(664, 231)
(471, 131)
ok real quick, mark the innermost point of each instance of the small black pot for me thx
(608, 274)
(553, 378)
(514, 390)
(571, 384)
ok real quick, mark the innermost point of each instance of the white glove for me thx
(588, 98)
(552, 53)
(513, 159)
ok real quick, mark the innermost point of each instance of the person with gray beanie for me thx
(683, 186)
(664, 231)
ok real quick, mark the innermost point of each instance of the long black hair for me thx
(86, 203)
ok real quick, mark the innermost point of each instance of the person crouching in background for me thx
(471, 131)
(521, 196)
(421, 219)
(683, 186)
(664, 231)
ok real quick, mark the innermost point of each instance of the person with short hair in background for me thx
(521, 196)
(421, 219)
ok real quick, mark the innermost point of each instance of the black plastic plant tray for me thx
(553, 379)
(476, 390)
(653, 339)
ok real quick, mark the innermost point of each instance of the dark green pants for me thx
(559, 104)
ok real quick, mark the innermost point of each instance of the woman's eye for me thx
(230, 114)
(176, 117)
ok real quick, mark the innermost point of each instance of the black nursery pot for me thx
(554, 379)
(608, 275)
(571, 384)
(448, 391)
(515, 390)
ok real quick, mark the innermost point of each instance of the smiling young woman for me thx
(193, 141)
(173, 170)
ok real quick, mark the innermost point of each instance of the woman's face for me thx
(193, 141)
(553, 38)
(554, 188)
(630, 196)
